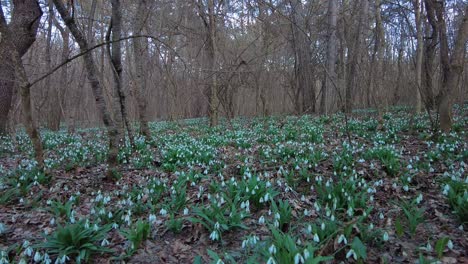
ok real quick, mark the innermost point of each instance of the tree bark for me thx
(330, 75)
(116, 64)
(21, 77)
(24, 23)
(452, 66)
(140, 58)
(96, 86)
(419, 53)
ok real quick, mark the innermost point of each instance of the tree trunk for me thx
(96, 86)
(452, 66)
(54, 113)
(330, 75)
(419, 53)
(24, 24)
(116, 61)
(140, 58)
(21, 77)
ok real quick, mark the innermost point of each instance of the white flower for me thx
(343, 239)
(163, 212)
(306, 253)
(385, 236)
(219, 261)
(322, 226)
(419, 199)
(450, 244)
(186, 211)
(351, 253)
(37, 257)
(261, 220)
(28, 252)
(104, 243)
(272, 249)
(298, 258)
(214, 235)
(152, 218)
(316, 238)
(271, 260)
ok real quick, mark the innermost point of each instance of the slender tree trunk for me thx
(116, 61)
(430, 46)
(419, 53)
(96, 86)
(54, 113)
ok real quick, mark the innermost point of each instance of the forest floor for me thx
(273, 190)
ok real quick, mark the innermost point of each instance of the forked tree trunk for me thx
(452, 66)
(24, 24)
(96, 86)
(22, 80)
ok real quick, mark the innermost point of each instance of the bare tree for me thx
(29, 11)
(96, 85)
(140, 55)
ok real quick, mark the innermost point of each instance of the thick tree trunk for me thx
(140, 58)
(452, 66)
(354, 55)
(330, 75)
(21, 78)
(430, 46)
(96, 86)
(24, 23)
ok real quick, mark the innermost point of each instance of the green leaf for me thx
(399, 227)
(440, 246)
(359, 248)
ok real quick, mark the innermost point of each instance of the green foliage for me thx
(137, 235)
(413, 215)
(458, 199)
(76, 241)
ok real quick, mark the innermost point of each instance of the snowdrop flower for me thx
(37, 257)
(115, 226)
(322, 226)
(271, 260)
(298, 258)
(216, 226)
(28, 252)
(261, 220)
(152, 218)
(272, 249)
(343, 239)
(316, 238)
(163, 212)
(450, 244)
(351, 253)
(385, 236)
(186, 211)
(306, 254)
(214, 235)
(104, 243)
(95, 227)
(406, 188)
(419, 199)
(306, 212)
(381, 216)
(22, 261)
